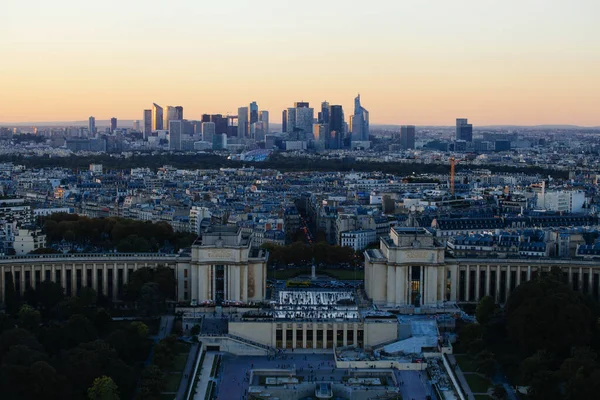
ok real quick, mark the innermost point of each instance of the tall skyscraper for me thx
(172, 114)
(113, 124)
(242, 131)
(220, 123)
(360, 122)
(291, 120)
(258, 131)
(232, 128)
(219, 120)
(208, 131)
(464, 130)
(407, 136)
(175, 133)
(336, 127)
(147, 123)
(299, 121)
(321, 135)
(263, 117)
(304, 122)
(284, 121)
(323, 116)
(157, 118)
(179, 112)
(91, 126)
(253, 112)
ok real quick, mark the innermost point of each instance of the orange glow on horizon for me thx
(420, 63)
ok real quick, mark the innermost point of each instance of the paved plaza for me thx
(234, 373)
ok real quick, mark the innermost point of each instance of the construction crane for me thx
(452, 162)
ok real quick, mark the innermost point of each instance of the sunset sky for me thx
(423, 62)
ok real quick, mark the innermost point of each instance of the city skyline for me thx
(421, 63)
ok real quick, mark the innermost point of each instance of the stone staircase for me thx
(208, 338)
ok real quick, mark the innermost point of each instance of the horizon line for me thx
(475, 126)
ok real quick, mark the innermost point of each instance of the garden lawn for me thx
(342, 274)
(172, 382)
(179, 362)
(465, 363)
(477, 383)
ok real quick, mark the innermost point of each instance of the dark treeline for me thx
(53, 347)
(213, 161)
(124, 235)
(547, 337)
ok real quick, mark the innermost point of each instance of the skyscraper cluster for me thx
(325, 130)
(252, 123)
(250, 129)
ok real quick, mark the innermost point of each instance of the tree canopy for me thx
(546, 314)
(277, 161)
(103, 388)
(547, 338)
(121, 234)
(56, 348)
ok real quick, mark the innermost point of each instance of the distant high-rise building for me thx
(291, 120)
(321, 135)
(169, 115)
(219, 142)
(324, 114)
(92, 126)
(407, 136)
(147, 123)
(188, 127)
(157, 118)
(284, 121)
(113, 124)
(208, 131)
(197, 127)
(304, 122)
(136, 125)
(219, 120)
(258, 131)
(253, 113)
(360, 122)
(175, 133)
(242, 130)
(263, 117)
(299, 121)
(336, 127)
(464, 130)
(179, 112)
(172, 114)
(220, 123)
